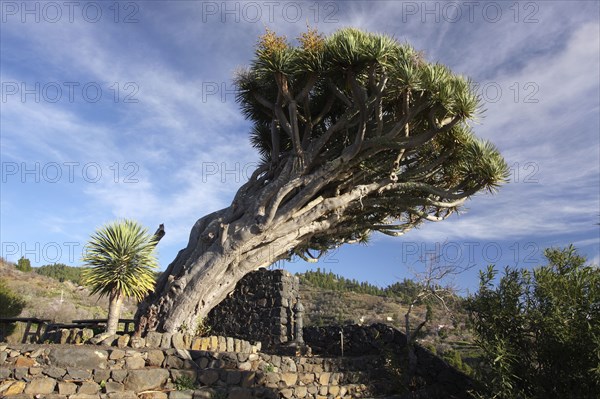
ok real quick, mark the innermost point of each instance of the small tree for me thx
(24, 264)
(434, 284)
(11, 305)
(122, 260)
(540, 331)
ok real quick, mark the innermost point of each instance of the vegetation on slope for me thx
(404, 290)
(333, 299)
(61, 272)
(527, 334)
(53, 299)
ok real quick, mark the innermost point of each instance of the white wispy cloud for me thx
(191, 147)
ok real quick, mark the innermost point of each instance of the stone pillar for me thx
(299, 314)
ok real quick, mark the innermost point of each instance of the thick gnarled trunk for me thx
(205, 271)
(266, 222)
(281, 211)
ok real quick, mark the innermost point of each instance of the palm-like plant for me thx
(122, 259)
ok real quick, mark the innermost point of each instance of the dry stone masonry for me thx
(96, 372)
(439, 379)
(261, 308)
(246, 359)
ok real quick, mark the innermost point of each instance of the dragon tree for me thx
(357, 133)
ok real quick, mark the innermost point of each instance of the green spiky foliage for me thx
(361, 110)
(122, 260)
(357, 133)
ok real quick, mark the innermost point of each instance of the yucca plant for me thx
(121, 258)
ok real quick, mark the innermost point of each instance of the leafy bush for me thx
(24, 264)
(12, 306)
(203, 328)
(540, 331)
(454, 359)
(430, 347)
(443, 333)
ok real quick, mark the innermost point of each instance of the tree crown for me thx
(357, 108)
(122, 259)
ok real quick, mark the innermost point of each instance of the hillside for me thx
(343, 302)
(445, 334)
(48, 298)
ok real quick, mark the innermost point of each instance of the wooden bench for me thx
(36, 334)
(58, 326)
(102, 323)
(44, 326)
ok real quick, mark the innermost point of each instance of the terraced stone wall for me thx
(95, 372)
(436, 377)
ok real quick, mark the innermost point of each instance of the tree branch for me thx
(339, 94)
(307, 88)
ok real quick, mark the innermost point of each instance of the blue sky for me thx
(127, 109)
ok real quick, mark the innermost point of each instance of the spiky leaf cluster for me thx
(361, 109)
(122, 259)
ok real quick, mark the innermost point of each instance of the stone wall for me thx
(436, 378)
(228, 365)
(96, 372)
(173, 366)
(154, 340)
(261, 308)
(358, 340)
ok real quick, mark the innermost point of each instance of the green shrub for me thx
(269, 368)
(12, 306)
(430, 346)
(454, 358)
(203, 329)
(24, 264)
(185, 383)
(539, 331)
(443, 333)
